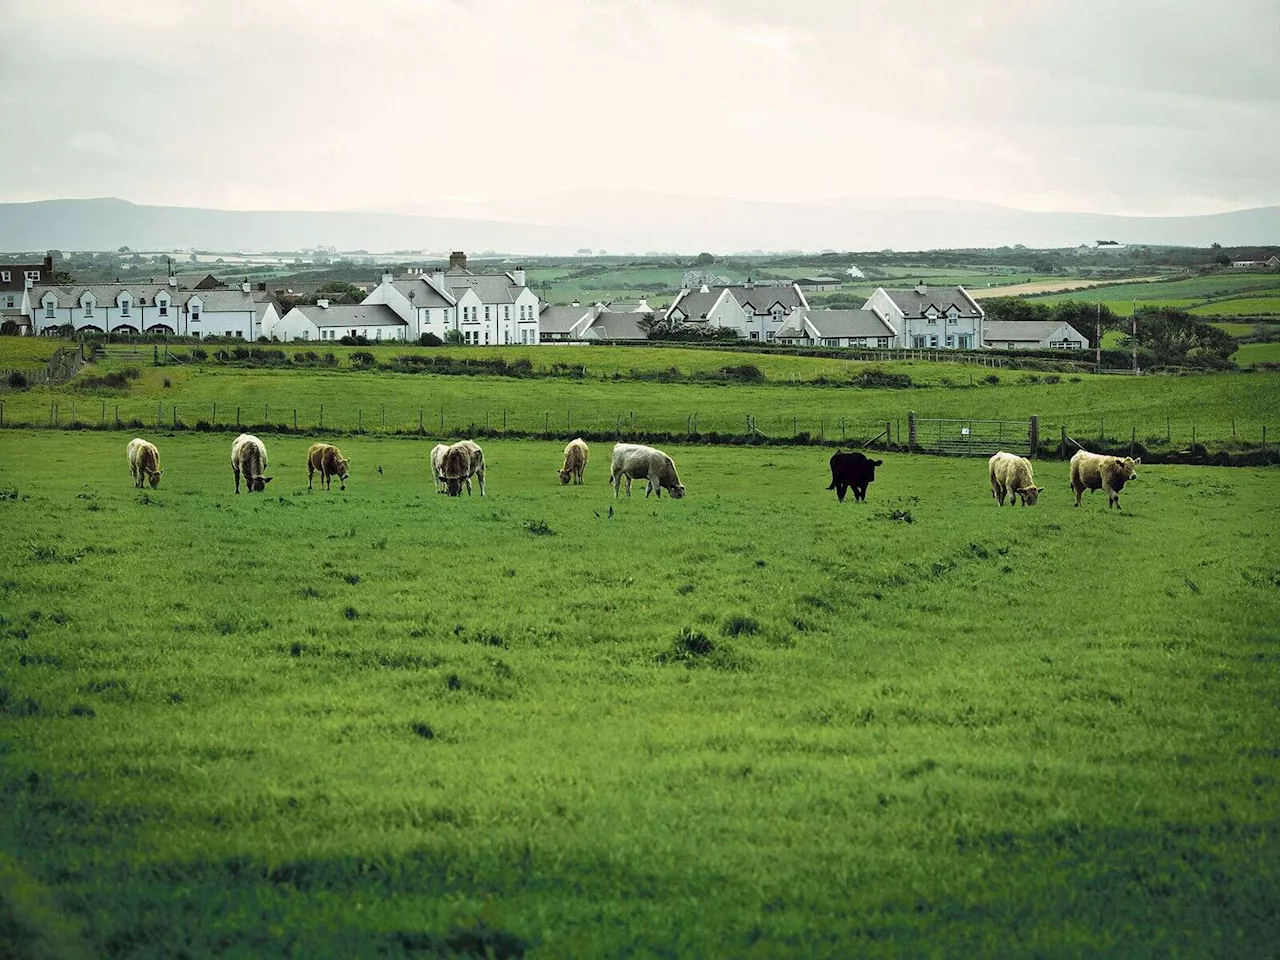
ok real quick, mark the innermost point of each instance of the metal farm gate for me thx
(974, 438)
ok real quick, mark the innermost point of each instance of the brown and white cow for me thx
(249, 457)
(576, 455)
(1011, 476)
(1092, 471)
(460, 463)
(327, 459)
(144, 462)
(634, 461)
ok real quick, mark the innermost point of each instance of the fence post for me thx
(295, 419)
(266, 417)
(1033, 430)
(359, 421)
(442, 419)
(888, 433)
(215, 414)
(504, 419)
(102, 420)
(117, 415)
(159, 414)
(2, 412)
(175, 416)
(322, 415)
(842, 428)
(1133, 438)
(420, 429)
(911, 429)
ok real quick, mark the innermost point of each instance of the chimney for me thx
(749, 283)
(173, 281)
(575, 303)
(458, 260)
(437, 278)
(244, 287)
(387, 278)
(922, 288)
(518, 276)
(322, 304)
(262, 286)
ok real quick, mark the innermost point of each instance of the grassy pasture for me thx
(1147, 406)
(27, 353)
(383, 722)
(1251, 353)
(1240, 307)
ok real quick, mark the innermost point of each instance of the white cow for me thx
(249, 457)
(634, 461)
(437, 461)
(144, 462)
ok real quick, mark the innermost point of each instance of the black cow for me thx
(852, 470)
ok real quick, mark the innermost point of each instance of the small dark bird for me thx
(379, 469)
(597, 513)
(611, 512)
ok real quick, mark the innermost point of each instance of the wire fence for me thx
(1171, 437)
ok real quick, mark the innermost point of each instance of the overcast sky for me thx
(1112, 106)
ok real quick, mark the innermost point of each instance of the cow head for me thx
(1128, 467)
(342, 469)
(565, 476)
(677, 491)
(455, 485)
(1029, 495)
(154, 477)
(258, 484)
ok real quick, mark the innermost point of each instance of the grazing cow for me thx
(329, 460)
(1011, 476)
(576, 455)
(636, 462)
(144, 462)
(437, 461)
(460, 463)
(249, 457)
(1092, 471)
(852, 470)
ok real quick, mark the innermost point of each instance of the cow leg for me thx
(481, 476)
(840, 491)
(614, 481)
(237, 475)
(310, 473)
(628, 485)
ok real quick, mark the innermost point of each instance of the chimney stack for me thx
(322, 304)
(387, 278)
(173, 281)
(518, 276)
(922, 288)
(244, 287)
(458, 260)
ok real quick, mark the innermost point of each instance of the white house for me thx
(836, 328)
(143, 307)
(1032, 335)
(327, 322)
(946, 318)
(485, 308)
(755, 311)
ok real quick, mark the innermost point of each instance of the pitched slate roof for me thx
(833, 324)
(914, 303)
(1023, 330)
(695, 304)
(619, 326)
(343, 315)
(762, 299)
(561, 320)
(424, 294)
(490, 288)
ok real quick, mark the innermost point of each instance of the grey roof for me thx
(763, 298)
(1023, 330)
(618, 326)
(834, 324)
(424, 294)
(914, 304)
(144, 294)
(695, 303)
(344, 315)
(560, 320)
(803, 280)
(490, 288)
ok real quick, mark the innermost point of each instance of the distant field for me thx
(27, 353)
(1031, 288)
(1251, 353)
(1193, 289)
(1241, 307)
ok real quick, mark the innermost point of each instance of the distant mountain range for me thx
(621, 222)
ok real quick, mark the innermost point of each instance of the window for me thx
(229, 333)
(933, 321)
(486, 313)
(951, 319)
(124, 307)
(10, 303)
(918, 342)
(4, 276)
(88, 308)
(33, 274)
(195, 314)
(882, 342)
(933, 341)
(164, 306)
(769, 335)
(486, 333)
(831, 342)
(754, 335)
(378, 334)
(506, 313)
(306, 334)
(951, 341)
(48, 310)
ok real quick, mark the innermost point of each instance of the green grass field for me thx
(1220, 294)
(1251, 353)
(753, 722)
(27, 353)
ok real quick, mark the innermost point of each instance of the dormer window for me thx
(124, 306)
(33, 274)
(163, 303)
(4, 276)
(87, 303)
(50, 304)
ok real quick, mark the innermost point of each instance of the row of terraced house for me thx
(500, 308)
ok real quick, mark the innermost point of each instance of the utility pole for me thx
(1135, 336)
(1097, 340)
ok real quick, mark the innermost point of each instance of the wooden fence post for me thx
(1033, 432)
(911, 429)
(295, 419)
(175, 416)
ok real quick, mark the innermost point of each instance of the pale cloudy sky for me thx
(1113, 106)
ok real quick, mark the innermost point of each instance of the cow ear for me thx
(1138, 461)
(267, 479)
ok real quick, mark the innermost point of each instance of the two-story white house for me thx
(945, 318)
(143, 307)
(488, 309)
(756, 311)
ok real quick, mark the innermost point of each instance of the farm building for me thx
(144, 307)
(818, 284)
(1032, 335)
(835, 328)
(325, 321)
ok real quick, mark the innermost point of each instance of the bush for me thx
(875, 377)
(17, 380)
(430, 340)
(362, 358)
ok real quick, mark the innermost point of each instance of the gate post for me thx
(911, 429)
(1033, 430)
